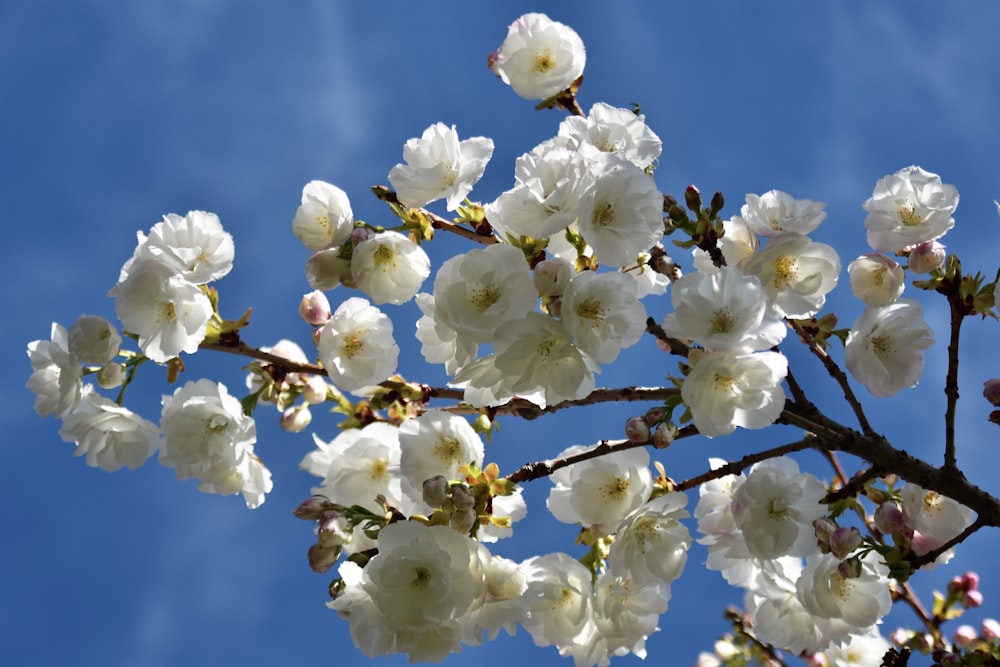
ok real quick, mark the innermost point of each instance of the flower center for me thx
(384, 255)
(604, 214)
(881, 346)
(448, 449)
(615, 489)
(353, 345)
(545, 348)
(169, 311)
(592, 309)
(378, 469)
(484, 296)
(724, 382)
(421, 577)
(908, 216)
(785, 272)
(722, 321)
(777, 509)
(544, 62)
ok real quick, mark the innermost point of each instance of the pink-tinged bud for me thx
(315, 308)
(361, 234)
(491, 62)
(637, 430)
(435, 491)
(844, 541)
(970, 581)
(322, 558)
(314, 390)
(463, 520)
(462, 498)
(326, 269)
(964, 636)
(312, 508)
(295, 420)
(990, 629)
(692, 197)
(991, 390)
(850, 568)
(555, 307)
(817, 660)
(972, 599)
(654, 415)
(927, 256)
(552, 276)
(823, 528)
(111, 375)
(889, 519)
(664, 435)
(899, 636)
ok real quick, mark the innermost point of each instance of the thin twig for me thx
(736, 467)
(951, 381)
(933, 554)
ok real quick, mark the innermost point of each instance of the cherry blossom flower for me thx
(907, 208)
(726, 389)
(737, 243)
(859, 601)
(436, 443)
(109, 435)
(389, 268)
(194, 246)
(356, 346)
(94, 340)
(559, 600)
(55, 374)
(168, 313)
(599, 493)
(927, 257)
(625, 614)
(884, 349)
(651, 544)
(936, 519)
(615, 130)
(796, 273)
(440, 343)
(723, 309)
(540, 57)
(860, 650)
(439, 166)
(324, 219)
(207, 436)
(777, 212)
(602, 314)
(325, 269)
(876, 279)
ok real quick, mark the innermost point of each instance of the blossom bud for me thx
(926, 257)
(462, 498)
(850, 568)
(817, 660)
(823, 528)
(844, 541)
(94, 340)
(312, 508)
(692, 197)
(435, 490)
(948, 659)
(463, 520)
(899, 636)
(334, 530)
(315, 308)
(876, 279)
(970, 581)
(972, 599)
(718, 201)
(491, 62)
(326, 269)
(111, 375)
(295, 420)
(991, 391)
(360, 235)
(552, 276)
(323, 558)
(990, 629)
(889, 518)
(637, 430)
(664, 435)
(314, 390)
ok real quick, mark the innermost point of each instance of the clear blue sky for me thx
(112, 114)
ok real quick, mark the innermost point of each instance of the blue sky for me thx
(112, 114)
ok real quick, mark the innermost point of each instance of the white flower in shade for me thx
(439, 166)
(615, 130)
(860, 650)
(358, 465)
(860, 601)
(723, 309)
(540, 57)
(546, 199)
(477, 291)
(774, 509)
(552, 276)
(727, 552)
(559, 600)
(876, 279)
(796, 273)
(535, 354)
(602, 314)
(927, 256)
(440, 343)
(909, 207)
(324, 219)
(356, 346)
(777, 212)
(194, 246)
(885, 347)
(389, 268)
(325, 269)
(599, 493)
(94, 340)
(936, 519)
(111, 436)
(625, 614)
(55, 374)
(622, 212)
(369, 630)
(726, 389)
(207, 436)
(168, 313)
(484, 384)
(737, 243)
(648, 281)
(651, 544)
(437, 443)
(424, 578)
(503, 607)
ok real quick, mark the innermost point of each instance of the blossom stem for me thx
(951, 381)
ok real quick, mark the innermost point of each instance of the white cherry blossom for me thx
(389, 268)
(885, 347)
(94, 340)
(109, 435)
(439, 166)
(55, 374)
(437, 443)
(440, 342)
(194, 246)
(651, 544)
(777, 212)
(602, 314)
(907, 208)
(796, 273)
(559, 601)
(876, 279)
(936, 519)
(615, 130)
(860, 601)
(540, 57)
(356, 346)
(324, 219)
(737, 243)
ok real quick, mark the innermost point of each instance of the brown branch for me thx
(951, 381)
(933, 554)
(387, 195)
(539, 469)
(736, 467)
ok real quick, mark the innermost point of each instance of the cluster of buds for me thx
(841, 541)
(335, 526)
(655, 428)
(465, 505)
